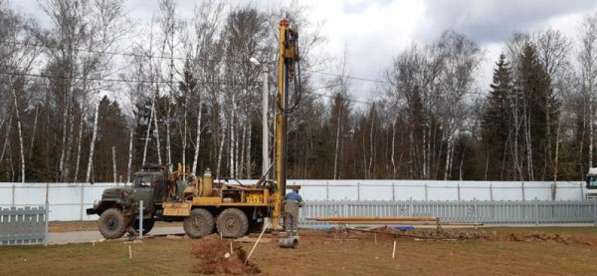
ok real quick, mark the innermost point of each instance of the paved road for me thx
(90, 236)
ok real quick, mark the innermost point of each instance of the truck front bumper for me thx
(91, 211)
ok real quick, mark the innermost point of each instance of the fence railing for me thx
(486, 212)
(68, 201)
(20, 226)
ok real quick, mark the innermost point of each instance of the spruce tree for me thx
(496, 120)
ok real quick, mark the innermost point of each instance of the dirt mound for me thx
(495, 236)
(539, 236)
(453, 235)
(215, 257)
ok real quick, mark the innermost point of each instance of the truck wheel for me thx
(147, 226)
(200, 223)
(232, 223)
(112, 224)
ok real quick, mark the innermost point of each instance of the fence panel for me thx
(472, 211)
(20, 226)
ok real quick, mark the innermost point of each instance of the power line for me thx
(322, 94)
(348, 76)
(150, 56)
(107, 79)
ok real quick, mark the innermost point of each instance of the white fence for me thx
(27, 225)
(470, 211)
(68, 201)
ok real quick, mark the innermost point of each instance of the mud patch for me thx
(214, 256)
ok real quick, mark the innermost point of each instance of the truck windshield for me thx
(143, 181)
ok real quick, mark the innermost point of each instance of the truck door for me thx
(144, 191)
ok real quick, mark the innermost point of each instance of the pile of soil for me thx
(453, 235)
(494, 236)
(214, 257)
(539, 236)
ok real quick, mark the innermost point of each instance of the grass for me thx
(320, 254)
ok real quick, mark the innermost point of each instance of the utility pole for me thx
(265, 126)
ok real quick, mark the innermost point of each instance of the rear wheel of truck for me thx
(112, 224)
(200, 223)
(232, 223)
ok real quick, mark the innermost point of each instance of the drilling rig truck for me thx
(202, 203)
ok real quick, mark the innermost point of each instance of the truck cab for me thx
(119, 206)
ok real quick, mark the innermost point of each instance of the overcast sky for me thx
(375, 31)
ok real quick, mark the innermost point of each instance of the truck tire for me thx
(147, 226)
(112, 224)
(200, 223)
(232, 223)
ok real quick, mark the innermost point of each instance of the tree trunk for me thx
(9, 128)
(79, 142)
(249, 164)
(557, 153)
(114, 172)
(148, 132)
(197, 139)
(130, 161)
(33, 134)
(19, 129)
(591, 132)
(157, 138)
(64, 135)
(337, 148)
(92, 144)
(393, 158)
(221, 148)
(184, 135)
(372, 144)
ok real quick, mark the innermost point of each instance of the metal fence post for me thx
(458, 190)
(12, 202)
(82, 200)
(327, 190)
(410, 206)
(536, 211)
(491, 192)
(358, 190)
(140, 219)
(426, 193)
(393, 191)
(47, 206)
(475, 210)
(582, 197)
(522, 190)
(594, 212)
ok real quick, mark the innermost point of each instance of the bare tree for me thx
(588, 67)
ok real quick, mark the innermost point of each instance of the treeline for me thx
(93, 97)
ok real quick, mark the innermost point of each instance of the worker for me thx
(292, 202)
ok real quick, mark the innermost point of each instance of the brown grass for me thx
(320, 253)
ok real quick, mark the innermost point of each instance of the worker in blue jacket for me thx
(292, 202)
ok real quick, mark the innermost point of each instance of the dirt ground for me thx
(323, 253)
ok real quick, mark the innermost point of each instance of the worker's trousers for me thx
(291, 216)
